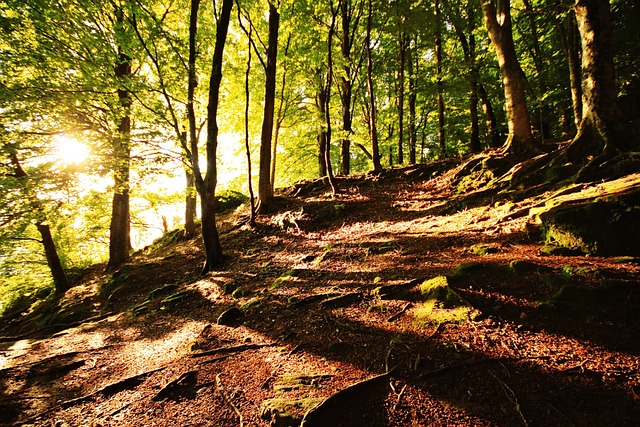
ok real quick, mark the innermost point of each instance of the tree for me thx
(603, 129)
(206, 185)
(15, 182)
(373, 130)
(497, 16)
(119, 230)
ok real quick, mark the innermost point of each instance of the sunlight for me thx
(69, 150)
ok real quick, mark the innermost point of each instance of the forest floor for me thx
(328, 302)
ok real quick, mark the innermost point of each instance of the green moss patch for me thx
(442, 304)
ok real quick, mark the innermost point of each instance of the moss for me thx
(484, 249)
(442, 303)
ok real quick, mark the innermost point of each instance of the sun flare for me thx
(71, 151)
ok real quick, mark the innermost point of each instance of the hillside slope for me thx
(414, 297)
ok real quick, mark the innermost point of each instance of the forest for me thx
(345, 212)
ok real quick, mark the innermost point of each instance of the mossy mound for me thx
(442, 304)
(604, 226)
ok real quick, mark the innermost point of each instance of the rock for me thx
(605, 226)
(468, 268)
(484, 249)
(230, 317)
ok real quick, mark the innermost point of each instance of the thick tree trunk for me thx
(207, 186)
(373, 131)
(603, 129)
(497, 16)
(265, 191)
(53, 260)
(119, 229)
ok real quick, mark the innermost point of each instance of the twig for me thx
(395, 406)
(436, 330)
(226, 398)
(512, 397)
(400, 313)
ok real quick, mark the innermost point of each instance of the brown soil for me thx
(521, 361)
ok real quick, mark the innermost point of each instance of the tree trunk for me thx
(439, 84)
(373, 131)
(53, 260)
(402, 50)
(327, 97)
(538, 57)
(497, 16)
(604, 129)
(207, 186)
(469, 50)
(492, 122)
(265, 190)
(247, 148)
(413, 135)
(119, 229)
(58, 275)
(346, 85)
(571, 42)
(190, 205)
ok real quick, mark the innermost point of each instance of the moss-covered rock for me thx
(282, 412)
(604, 226)
(442, 304)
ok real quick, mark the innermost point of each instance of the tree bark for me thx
(265, 190)
(207, 186)
(190, 205)
(497, 16)
(119, 229)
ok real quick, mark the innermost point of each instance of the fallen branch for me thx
(400, 313)
(311, 417)
(233, 349)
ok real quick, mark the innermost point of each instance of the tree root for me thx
(312, 417)
(400, 313)
(233, 349)
(108, 390)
